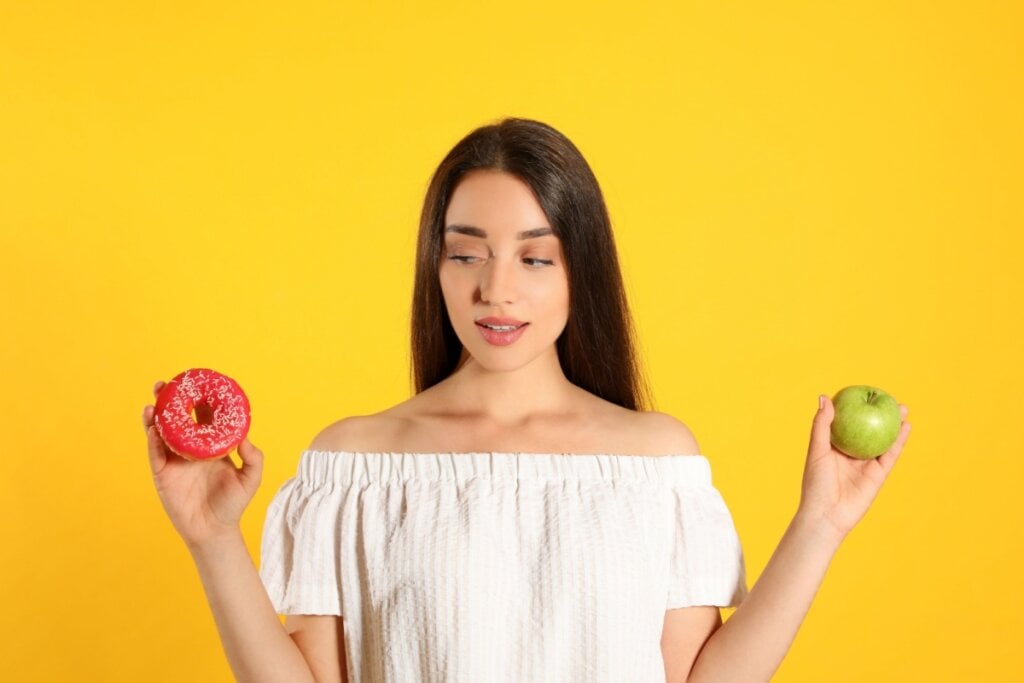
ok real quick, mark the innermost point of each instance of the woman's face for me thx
(489, 268)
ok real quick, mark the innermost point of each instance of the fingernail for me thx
(821, 401)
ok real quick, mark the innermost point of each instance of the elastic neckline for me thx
(561, 455)
(318, 467)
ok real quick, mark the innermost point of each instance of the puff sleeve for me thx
(706, 565)
(300, 550)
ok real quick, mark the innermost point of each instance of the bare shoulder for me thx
(355, 433)
(667, 434)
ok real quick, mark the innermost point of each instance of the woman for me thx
(523, 516)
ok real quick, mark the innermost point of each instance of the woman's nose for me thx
(497, 285)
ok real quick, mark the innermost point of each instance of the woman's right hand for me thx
(204, 499)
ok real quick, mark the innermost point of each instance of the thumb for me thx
(252, 464)
(821, 429)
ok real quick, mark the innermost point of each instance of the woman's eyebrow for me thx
(477, 232)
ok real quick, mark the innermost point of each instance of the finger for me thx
(903, 412)
(149, 412)
(821, 428)
(252, 464)
(889, 458)
(156, 449)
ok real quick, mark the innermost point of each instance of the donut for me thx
(221, 418)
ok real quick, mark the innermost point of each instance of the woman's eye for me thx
(467, 259)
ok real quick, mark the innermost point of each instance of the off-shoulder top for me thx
(494, 566)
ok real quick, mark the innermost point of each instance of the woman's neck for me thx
(509, 397)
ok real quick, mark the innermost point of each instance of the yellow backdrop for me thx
(804, 197)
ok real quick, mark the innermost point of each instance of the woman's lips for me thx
(498, 338)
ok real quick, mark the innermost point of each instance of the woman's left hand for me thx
(838, 489)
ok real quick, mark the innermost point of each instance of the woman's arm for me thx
(258, 647)
(204, 501)
(836, 492)
(321, 639)
(752, 643)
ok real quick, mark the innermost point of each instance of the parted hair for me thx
(597, 348)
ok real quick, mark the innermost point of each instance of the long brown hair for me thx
(597, 347)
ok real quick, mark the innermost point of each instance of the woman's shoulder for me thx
(670, 435)
(366, 433)
(648, 431)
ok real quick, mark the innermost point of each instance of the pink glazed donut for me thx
(221, 419)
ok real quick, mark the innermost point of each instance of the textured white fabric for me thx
(500, 566)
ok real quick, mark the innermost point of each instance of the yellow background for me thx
(805, 196)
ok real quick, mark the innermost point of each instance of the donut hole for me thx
(202, 413)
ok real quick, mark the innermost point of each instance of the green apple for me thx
(866, 423)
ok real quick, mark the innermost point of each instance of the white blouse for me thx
(500, 566)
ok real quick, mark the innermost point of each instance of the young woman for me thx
(524, 516)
